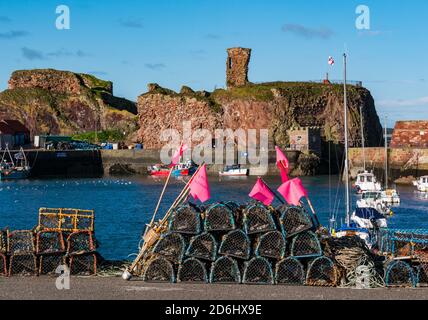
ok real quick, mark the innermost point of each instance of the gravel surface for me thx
(94, 288)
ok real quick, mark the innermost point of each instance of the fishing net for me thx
(171, 246)
(185, 219)
(322, 273)
(158, 269)
(192, 270)
(49, 242)
(294, 220)
(219, 217)
(3, 264)
(48, 263)
(23, 264)
(225, 270)
(21, 242)
(290, 271)
(80, 242)
(71, 220)
(258, 219)
(271, 245)
(258, 271)
(306, 244)
(235, 244)
(4, 241)
(399, 274)
(83, 264)
(203, 246)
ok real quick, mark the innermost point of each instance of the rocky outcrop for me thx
(50, 101)
(160, 109)
(237, 63)
(276, 106)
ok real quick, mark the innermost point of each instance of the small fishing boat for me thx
(366, 181)
(14, 169)
(390, 196)
(374, 199)
(421, 184)
(234, 171)
(179, 170)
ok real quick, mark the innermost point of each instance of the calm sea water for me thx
(123, 205)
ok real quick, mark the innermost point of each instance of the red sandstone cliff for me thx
(62, 102)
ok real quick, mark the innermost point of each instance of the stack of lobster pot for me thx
(66, 236)
(229, 243)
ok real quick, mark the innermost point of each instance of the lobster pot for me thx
(290, 271)
(422, 275)
(258, 271)
(192, 270)
(305, 245)
(203, 246)
(399, 274)
(49, 219)
(71, 220)
(21, 242)
(48, 263)
(258, 219)
(186, 220)
(232, 205)
(171, 246)
(80, 242)
(294, 220)
(219, 217)
(322, 273)
(83, 264)
(49, 242)
(158, 269)
(23, 264)
(225, 270)
(3, 241)
(271, 245)
(235, 244)
(402, 248)
(3, 265)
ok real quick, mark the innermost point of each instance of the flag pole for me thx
(274, 193)
(313, 210)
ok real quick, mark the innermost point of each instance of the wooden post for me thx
(313, 210)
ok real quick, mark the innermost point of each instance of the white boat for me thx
(368, 218)
(390, 196)
(373, 199)
(14, 169)
(366, 181)
(234, 170)
(421, 184)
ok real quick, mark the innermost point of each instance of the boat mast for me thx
(362, 137)
(345, 106)
(386, 154)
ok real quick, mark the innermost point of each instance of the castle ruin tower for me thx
(237, 67)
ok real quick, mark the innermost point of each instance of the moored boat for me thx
(14, 169)
(234, 171)
(421, 184)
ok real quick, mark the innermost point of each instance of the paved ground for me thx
(15, 288)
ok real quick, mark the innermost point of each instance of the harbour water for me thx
(123, 205)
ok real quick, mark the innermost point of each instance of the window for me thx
(229, 63)
(369, 179)
(362, 179)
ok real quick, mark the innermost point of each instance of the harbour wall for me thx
(96, 163)
(404, 164)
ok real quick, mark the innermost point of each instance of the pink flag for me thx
(330, 61)
(262, 193)
(199, 187)
(293, 191)
(177, 155)
(282, 164)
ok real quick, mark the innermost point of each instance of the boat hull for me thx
(14, 175)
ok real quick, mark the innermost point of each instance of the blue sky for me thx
(183, 42)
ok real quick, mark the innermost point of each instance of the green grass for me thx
(101, 136)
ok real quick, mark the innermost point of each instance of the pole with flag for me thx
(261, 192)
